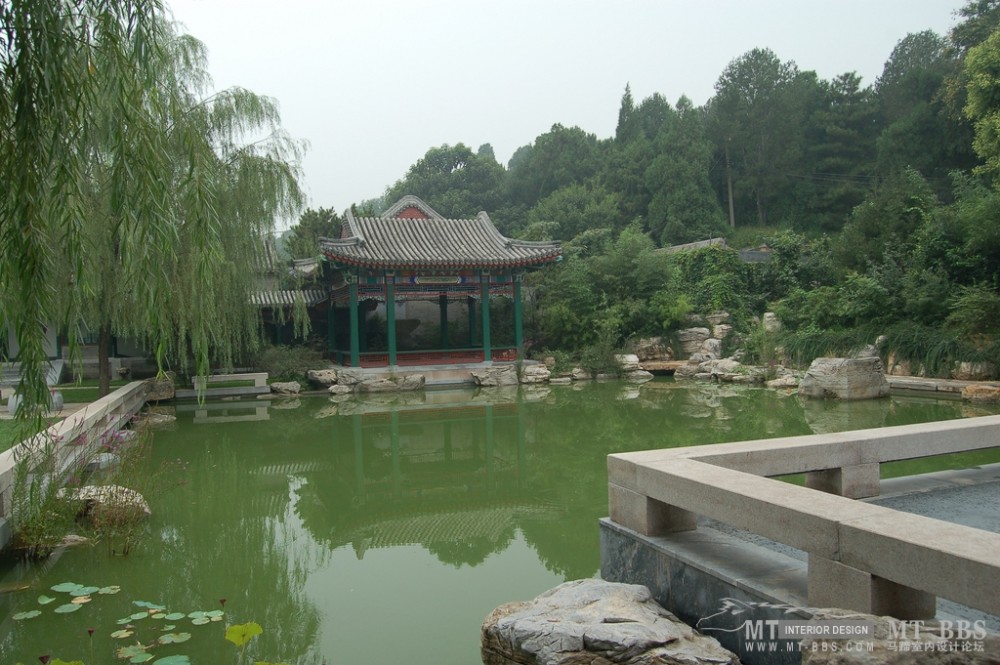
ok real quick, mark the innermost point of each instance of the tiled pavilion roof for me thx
(410, 234)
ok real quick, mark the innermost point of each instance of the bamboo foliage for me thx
(133, 201)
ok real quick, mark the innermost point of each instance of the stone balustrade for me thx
(860, 556)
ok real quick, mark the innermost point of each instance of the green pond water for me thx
(385, 530)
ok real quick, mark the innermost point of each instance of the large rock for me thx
(845, 378)
(391, 384)
(718, 318)
(534, 374)
(638, 376)
(771, 322)
(712, 348)
(161, 388)
(934, 643)
(351, 377)
(629, 362)
(339, 389)
(981, 392)
(966, 371)
(593, 622)
(286, 387)
(104, 502)
(324, 378)
(691, 339)
(499, 375)
(650, 348)
(721, 331)
(580, 374)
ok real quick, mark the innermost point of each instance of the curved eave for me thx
(457, 264)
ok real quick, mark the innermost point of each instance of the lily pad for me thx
(214, 613)
(196, 615)
(80, 600)
(173, 638)
(130, 651)
(177, 659)
(158, 615)
(108, 590)
(67, 608)
(141, 658)
(84, 590)
(148, 605)
(67, 587)
(200, 621)
(216, 618)
(122, 634)
(122, 622)
(45, 600)
(30, 614)
(138, 615)
(175, 616)
(169, 627)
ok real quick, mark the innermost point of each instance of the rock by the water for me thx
(981, 392)
(340, 389)
(845, 378)
(593, 622)
(580, 374)
(560, 381)
(966, 371)
(650, 348)
(161, 388)
(154, 419)
(322, 377)
(712, 347)
(718, 318)
(534, 374)
(691, 339)
(350, 377)
(391, 384)
(789, 381)
(933, 644)
(286, 387)
(286, 403)
(721, 331)
(629, 362)
(499, 375)
(638, 376)
(98, 501)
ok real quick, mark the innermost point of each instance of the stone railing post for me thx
(645, 515)
(833, 584)
(854, 482)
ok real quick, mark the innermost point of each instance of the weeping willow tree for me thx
(132, 201)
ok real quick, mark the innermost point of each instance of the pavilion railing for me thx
(427, 357)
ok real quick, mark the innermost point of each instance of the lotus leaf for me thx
(178, 659)
(45, 600)
(80, 600)
(138, 615)
(158, 615)
(200, 621)
(175, 616)
(241, 633)
(108, 590)
(148, 605)
(141, 658)
(67, 608)
(130, 651)
(30, 614)
(84, 590)
(214, 613)
(66, 587)
(122, 634)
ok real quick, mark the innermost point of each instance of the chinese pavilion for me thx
(409, 253)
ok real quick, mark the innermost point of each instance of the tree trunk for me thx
(103, 360)
(729, 186)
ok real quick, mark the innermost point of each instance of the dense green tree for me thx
(302, 240)
(454, 180)
(572, 210)
(684, 207)
(560, 157)
(760, 106)
(982, 67)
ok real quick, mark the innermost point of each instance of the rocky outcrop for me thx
(350, 377)
(101, 502)
(966, 371)
(721, 331)
(286, 387)
(788, 381)
(339, 389)
(933, 644)
(691, 339)
(391, 384)
(531, 374)
(498, 375)
(983, 393)
(845, 378)
(650, 348)
(591, 622)
(580, 374)
(161, 388)
(638, 376)
(718, 318)
(629, 362)
(322, 378)
(771, 322)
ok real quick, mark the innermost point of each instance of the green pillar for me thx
(331, 334)
(352, 290)
(471, 304)
(390, 316)
(443, 319)
(363, 327)
(518, 318)
(484, 289)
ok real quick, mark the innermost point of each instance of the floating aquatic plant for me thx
(67, 608)
(45, 600)
(30, 614)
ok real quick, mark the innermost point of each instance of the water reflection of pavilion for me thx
(451, 477)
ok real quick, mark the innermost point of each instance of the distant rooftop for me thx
(411, 234)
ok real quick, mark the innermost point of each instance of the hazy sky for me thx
(372, 84)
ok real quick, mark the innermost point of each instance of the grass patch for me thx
(14, 431)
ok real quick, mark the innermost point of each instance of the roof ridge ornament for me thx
(411, 201)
